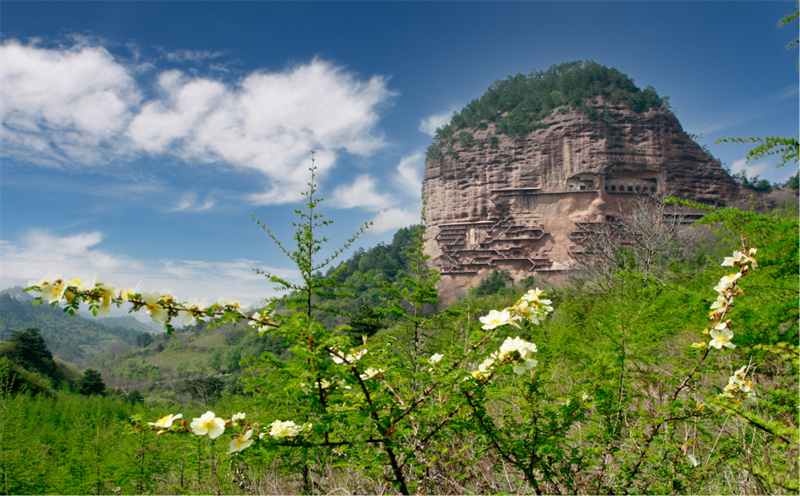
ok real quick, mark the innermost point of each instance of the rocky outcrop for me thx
(496, 202)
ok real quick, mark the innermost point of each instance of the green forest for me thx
(520, 104)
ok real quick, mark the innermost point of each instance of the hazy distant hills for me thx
(74, 340)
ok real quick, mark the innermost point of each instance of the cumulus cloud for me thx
(41, 252)
(64, 105)
(360, 194)
(430, 124)
(408, 175)
(393, 218)
(80, 106)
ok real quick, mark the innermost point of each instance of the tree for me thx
(92, 383)
(647, 241)
(135, 397)
(367, 322)
(143, 340)
(493, 284)
(215, 361)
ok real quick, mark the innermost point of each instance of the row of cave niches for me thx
(501, 243)
(642, 190)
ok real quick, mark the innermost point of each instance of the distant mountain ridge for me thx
(72, 340)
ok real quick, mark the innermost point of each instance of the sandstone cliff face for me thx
(513, 206)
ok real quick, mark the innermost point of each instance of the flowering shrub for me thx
(392, 407)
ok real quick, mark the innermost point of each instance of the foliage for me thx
(92, 383)
(493, 284)
(520, 104)
(754, 183)
(787, 148)
(74, 341)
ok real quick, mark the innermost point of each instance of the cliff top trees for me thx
(519, 103)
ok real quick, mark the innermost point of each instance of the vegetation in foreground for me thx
(621, 392)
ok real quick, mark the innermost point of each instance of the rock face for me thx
(511, 204)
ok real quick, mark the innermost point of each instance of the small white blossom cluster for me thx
(349, 358)
(279, 429)
(530, 307)
(212, 426)
(516, 351)
(160, 305)
(720, 332)
(738, 387)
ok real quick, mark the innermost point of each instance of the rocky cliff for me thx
(500, 202)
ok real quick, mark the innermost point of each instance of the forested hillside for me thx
(72, 340)
(520, 103)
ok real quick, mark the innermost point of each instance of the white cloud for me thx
(408, 175)
(430, 124)
(393, 218)
(40, 252)
(360, 194)
(190, 201)
(761, 168)
(80, 106)
(192, 55)
(64, 105)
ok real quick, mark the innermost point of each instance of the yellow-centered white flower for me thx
(166, 422)
(151, 300)
(495, 319)
(721, 338)
(284, 429)
(208, 424)
(107, 293)
(193, 304)
(241, 442)
(229, 302)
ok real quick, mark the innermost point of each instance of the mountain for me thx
(70, 339)
(128, 321)
(512, 176)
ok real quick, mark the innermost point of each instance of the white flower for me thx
(370, 373)
(495, 319)
(52, 287)
(693, 460)
(208, 424)
(435, 359)
(107, 293)
(349, 358)
(727, 282)
(721, 338)
(484, 370)
(259, 321)
(241, 442)
(740, 259)
(518, 345)
(151, 300)
(526, 365)
(284, 429)
(193, 304)
(722, 302)
(228, 302)
(237, 417)
(166, 422)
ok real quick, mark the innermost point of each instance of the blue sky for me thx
(139, 137)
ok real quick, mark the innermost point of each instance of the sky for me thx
(139, 138)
